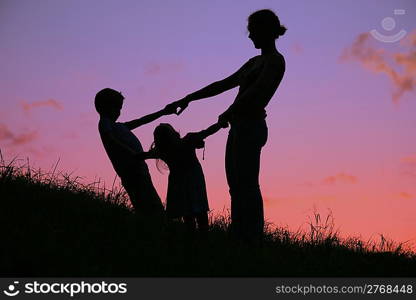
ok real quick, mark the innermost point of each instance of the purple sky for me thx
(337, 141)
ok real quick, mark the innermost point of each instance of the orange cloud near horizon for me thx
(16, 139)
(406, 195)
(46, 103)
(340, 178)
(411, 159)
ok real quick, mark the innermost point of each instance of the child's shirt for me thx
(124, 162)
(182, 155)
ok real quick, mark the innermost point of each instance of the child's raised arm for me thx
(168, 110)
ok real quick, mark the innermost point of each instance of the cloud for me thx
(16, 139)
(408, 165)
(381, 61)
(405, 195)
(157, 68)
(307, 184)
(409, 173)
(46, 103)
(411, 159)
(71, 135)
(340, 178)
(297, 48)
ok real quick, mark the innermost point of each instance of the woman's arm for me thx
(212, 129)
(196, 139)
(211, 90)
(215, 88)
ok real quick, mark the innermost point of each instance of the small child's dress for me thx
(187, 194)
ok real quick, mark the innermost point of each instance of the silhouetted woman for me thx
(258, 80)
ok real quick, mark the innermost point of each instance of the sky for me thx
(341, 125)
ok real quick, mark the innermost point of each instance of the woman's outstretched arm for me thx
(211, 90)
(196, 139)
(212, 129)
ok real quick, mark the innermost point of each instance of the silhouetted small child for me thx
(187, 195)
(122, 147)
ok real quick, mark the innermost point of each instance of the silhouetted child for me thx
(122, 147)
(187, 195)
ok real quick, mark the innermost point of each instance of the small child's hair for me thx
(161, 135)
(105, 97)
(160, 164)
(161, 142)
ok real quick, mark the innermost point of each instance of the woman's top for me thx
(258, 79)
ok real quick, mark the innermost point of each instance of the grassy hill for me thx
(51, 225)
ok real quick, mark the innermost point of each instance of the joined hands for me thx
(182, 104)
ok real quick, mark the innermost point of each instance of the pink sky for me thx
(341, 125)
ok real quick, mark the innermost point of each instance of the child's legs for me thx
(190, 224)
(202, 221)
(143, 195)
(132, 193)
(149, 196)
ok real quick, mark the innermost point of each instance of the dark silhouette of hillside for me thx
(53, 226)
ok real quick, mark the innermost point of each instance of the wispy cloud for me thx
(340, 178)
(37, 104)
(16, 139)
(154, 68)
(411, 159)
(406, 195)
(71, 135)
(399, 67)
(297, 48)
(307, 184)
(408, 165)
